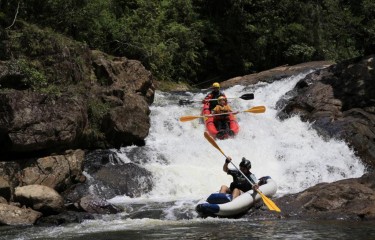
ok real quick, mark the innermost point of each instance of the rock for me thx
(128, 125)
(275, 74)
(128, 179)
(33, 121)
(58, 172)
(94, 204)
(129, 89)
(63, 95)
(12, 215)
(3, 200)
(107, 181)
(107, 177)
(64, 218)
(121, 74)
(339, 102)
(351, 197)
(40, 198)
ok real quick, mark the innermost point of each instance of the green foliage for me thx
(196, 40)
(96, 112)
(164, 35)
(299, 53)
(51, 89)
(34, 78)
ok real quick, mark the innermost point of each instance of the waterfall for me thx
(185, 166)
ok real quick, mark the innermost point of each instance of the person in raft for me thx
(240, 184)
(214, 94)
(221, 121)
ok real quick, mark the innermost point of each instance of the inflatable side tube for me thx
(219, 198)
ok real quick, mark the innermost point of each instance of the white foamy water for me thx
(289, 151)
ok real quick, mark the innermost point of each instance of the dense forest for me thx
(200, 41)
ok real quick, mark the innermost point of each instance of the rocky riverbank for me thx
(57, 97)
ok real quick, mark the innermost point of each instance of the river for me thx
(186, 169)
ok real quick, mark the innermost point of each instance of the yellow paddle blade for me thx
(269, 203)
(189, 118)
(213, 143)
(258, 109)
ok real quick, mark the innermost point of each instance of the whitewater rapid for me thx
(187, 167)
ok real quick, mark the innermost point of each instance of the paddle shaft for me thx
(269, 203)
(189, 118)
(214, 99)
(247, 96)
(212, 141)
(258, 109)
(253, 110)
(218, 114)
(243, 174)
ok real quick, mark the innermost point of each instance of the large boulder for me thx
(131, 180)
(339, 102)
(94, 204)
(108, 176)
(128, 88)
(13, 215)
(41, 198)
(61, 95)
(58, 172)
(352, 199)
(122, 74)
(32, 121)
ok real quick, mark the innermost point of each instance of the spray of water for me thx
(186, 166)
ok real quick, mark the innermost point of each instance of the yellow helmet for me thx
(216, 85)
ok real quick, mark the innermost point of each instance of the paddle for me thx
(247, 96)
(257, 109)
(269, 203)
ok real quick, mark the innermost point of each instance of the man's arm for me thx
(254, 180)
(207, 98)
(215, 110)
(225, 166)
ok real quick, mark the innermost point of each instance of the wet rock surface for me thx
(349, 199)
(339, 101)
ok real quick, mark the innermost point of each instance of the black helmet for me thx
(245, 163)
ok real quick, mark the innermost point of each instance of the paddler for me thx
(240, 184)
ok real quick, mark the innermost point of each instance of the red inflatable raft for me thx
(232, 124)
